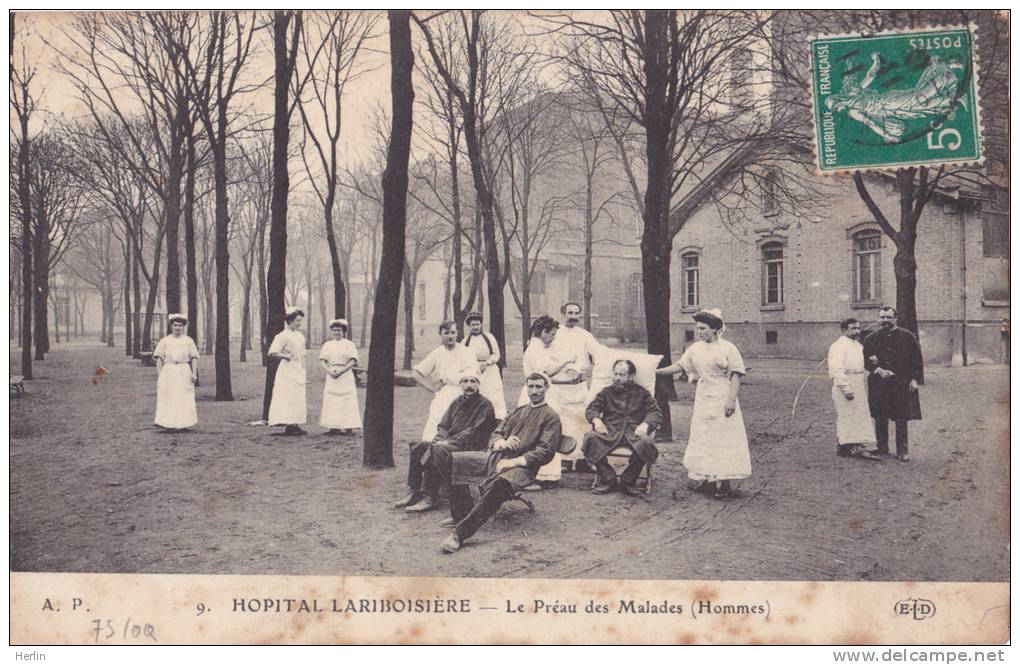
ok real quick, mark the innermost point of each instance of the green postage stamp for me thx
(894, 100)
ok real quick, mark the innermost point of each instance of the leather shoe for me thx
(605, 488)
(407, 500)
(425, 504)
(903, 458)
(629, 489)
(448, 523)
(451, 544)
(533, 487)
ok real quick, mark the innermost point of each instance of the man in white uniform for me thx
(573, 341)
(440, 371)
(855, 430)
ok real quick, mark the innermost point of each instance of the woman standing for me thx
(288, 405)
(717, 451)
(486, 350)
(339, 357)
(176, 359)
(538, 357)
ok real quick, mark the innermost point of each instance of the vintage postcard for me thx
(509, 327)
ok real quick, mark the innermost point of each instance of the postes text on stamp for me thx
(895, 100)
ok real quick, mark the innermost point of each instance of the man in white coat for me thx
(855, 431)
(573, 341)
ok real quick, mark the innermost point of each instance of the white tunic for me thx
(288, 406)
(581, 346)
(846, 368)
(717, 448)
(340, 408)
(444, 366)
(175, 392)
(492, 381)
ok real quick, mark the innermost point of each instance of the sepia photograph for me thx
(466, 303)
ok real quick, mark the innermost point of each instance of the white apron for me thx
(491, 385)
(288, 406)
(853, 417)
(175, 392)
(444, 366)
(718, 447)
(340, 409)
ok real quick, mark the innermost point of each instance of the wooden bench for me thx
(619, 459)
(18, 385)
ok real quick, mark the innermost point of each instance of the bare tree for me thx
(493, 66)
(330, 46)
(23, 103)
(378, 450)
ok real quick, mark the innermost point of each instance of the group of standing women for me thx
(176, 355)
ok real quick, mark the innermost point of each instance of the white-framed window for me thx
(772, 273)
(690, 274)
(867, 266)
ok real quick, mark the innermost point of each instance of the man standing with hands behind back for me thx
(892, 357)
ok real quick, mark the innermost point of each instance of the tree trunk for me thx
(111, 317)
(245, 319)
(105, 306)
(129, 349)
(224, 389)
(136, 283)
(655, 242)
(410, 277)
(339, 289)
(56, 320)
(276, 286)
(27, 272)
(42, 285)
(378, 419)
(905, 261)
(589, 233)
(172, 206)
(458, 246)
(323, 314)
(190, 260)
(308, 310)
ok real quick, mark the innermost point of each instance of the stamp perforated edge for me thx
(972, 29)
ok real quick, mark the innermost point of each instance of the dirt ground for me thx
(96, 488)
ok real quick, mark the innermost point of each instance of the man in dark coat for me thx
(523, 443)
(892, 357)
(623, 415)
(466, 425)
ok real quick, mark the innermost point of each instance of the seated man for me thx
(624, 415)
(524, 442)
(466, 425)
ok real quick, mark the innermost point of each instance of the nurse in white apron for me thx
(486, 350)
(339, 357)
(288, 406)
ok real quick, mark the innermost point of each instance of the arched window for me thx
(867, 266)
(690, 275)
(772, 273)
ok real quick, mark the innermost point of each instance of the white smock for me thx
(288, 406)
(846, 368)
(340, 408)
(485, 348)
(175, 391)
(444, 366)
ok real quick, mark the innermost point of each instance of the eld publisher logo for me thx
(918, 609)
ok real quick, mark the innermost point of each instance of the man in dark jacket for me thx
(466, 425)
(892, 357)
(523, 443)
(623, 415)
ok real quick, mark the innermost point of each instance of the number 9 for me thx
(200, 608)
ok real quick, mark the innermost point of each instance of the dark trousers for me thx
(498, 492)
(882, 436)
(630, 474)
(420, 471)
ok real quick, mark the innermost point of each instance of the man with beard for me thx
(623, 415)
(854, 429)
(440, 371)
(580, 346)
(893, 358)
(466, 425)
(524, 442)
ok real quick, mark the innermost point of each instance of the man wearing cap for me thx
(440, 371)
(623, 415)
(466, 425)
(486, 350)
(339, 357)
(525, 441)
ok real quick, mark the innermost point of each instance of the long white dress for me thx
(846, 368)
(581, 346)
(340, 408)
(288, 406)
(540, 358)
(175, 392)
(717, 448)
(484, 347)
(444, 366)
